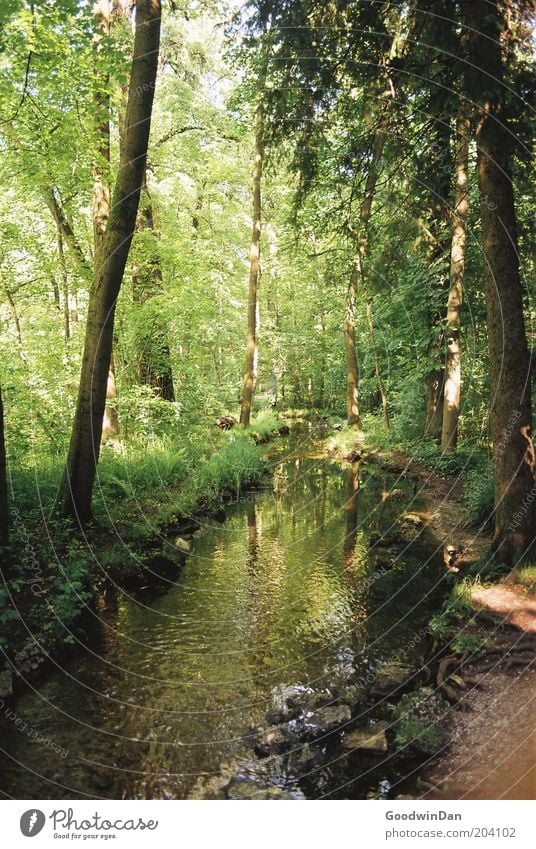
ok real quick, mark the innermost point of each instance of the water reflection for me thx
(275, 595)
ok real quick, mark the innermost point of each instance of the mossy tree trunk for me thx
(510, 412)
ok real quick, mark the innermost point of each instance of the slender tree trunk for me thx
(511, 417)
(439, 182)
(66, 236)
(16, 321)
(352, 370)
(250, 373)
(435, 386)
(64, 225)
(55, 292)
(154, 357)
(110, 420)
(377, 364)
(101, 193)
(451, 400)
(64, 285)
(101, 106)
(79, 477)
(4, 507)
(358, 275)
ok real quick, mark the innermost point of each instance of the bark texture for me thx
(79, 477)
(250, 370)
(451, 399)
(511, 419)
(101, 192)
(358, 276)
(352, 369)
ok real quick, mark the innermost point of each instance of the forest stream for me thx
(278, 596)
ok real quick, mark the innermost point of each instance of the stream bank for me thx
(290, 656)
(286, 597)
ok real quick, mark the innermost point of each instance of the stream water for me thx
(278, 594)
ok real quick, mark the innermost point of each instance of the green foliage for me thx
(237, 465)
(456, 623)
(71, 587)
(473, 644)
(458, 462)
(136, 472)
(478, 494)
(345, 440)
(419, 721)
(264, 425)
(526, 577)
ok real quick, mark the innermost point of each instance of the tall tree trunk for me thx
(377, 364)
(110, 420)
(399, 50)
(79, 477)
(511, 418)
(101, 192)
(352, 369)
(64, 287)
(451, 400)
(250, 372)
(435, 386)
(101, 106)
(153, 356)
(358, 275)
(4, 508)
(16, 322)
(439, 182)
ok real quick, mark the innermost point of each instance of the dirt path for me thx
(514, 605)
(492, 754)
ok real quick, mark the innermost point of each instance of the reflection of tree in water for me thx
(253, 537)
(383, 500)
(352, 517)
(355, 547)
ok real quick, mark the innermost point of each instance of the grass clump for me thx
(456, 614)
(526, 576)
(264, 425)
(237, 465)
